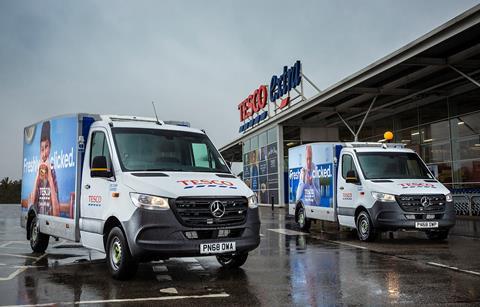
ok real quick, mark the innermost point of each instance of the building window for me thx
(260, 165)
(272, 135)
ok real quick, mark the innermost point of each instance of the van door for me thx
(347, 192)
(95, 199)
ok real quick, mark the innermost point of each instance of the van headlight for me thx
(150, 202)
(252, 202)
(383, 196)
(449, 197)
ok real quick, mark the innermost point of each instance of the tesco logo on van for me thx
(206, 183)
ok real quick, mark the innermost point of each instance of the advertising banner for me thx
(311, 175)
(262, 168)
(49, 167)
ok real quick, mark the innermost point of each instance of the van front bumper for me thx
(158, 234)
(390, 216)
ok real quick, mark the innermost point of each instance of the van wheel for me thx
(437, 235)
(232, 261)
(119, 260)
(38, 240)
(365, 230)
(303, 222)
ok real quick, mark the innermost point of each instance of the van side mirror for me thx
(99, 168)
(352, 177)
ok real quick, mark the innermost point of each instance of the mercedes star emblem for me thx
(217, 209)
(425, 201)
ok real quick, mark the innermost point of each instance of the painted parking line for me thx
(187, 259)
(428, 263)
(21, 269)
(343, 243)
(5, 244)
(18, 256)
(289, 232)
(169, 291)
(165, 277)
(131, 300)
(159, 268)
(453, 268)
(61, 243)
(195, 267)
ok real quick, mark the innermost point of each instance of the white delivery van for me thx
(370, 187)
(135, 188)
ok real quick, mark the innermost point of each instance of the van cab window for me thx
(392, 165)
(141, 149)
(201, 155)
(100, 147)
(347, 165)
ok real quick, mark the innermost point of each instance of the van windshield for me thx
(142, 149)
(392, 165)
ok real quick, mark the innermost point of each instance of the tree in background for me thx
(10, 191)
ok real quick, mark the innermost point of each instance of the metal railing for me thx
(467, 204)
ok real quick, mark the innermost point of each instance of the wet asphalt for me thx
(323, 267)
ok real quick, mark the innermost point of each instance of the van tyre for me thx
(232, 261)
(303, 222)
(38, 240)
(437, 235)
(119, 260)
(365, 230)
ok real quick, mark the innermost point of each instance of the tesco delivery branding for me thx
(253, 108)
(311, 175)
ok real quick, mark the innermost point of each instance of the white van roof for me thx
(148, 122)
(374, 145)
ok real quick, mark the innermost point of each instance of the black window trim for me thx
(353, 163)
(105, 139)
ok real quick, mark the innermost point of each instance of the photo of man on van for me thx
(307, 190)
(45, 188)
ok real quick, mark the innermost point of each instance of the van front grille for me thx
(197, 211)
(422, 203)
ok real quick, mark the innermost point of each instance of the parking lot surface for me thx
(323, 267)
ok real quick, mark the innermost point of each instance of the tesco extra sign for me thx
(252, 109)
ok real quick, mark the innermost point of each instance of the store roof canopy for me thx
(425, 71)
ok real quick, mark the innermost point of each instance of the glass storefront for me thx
(446, 134)
(260, 165)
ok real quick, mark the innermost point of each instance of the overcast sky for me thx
(196, 59)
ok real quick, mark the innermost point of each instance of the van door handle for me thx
(341, 188)
(87, 186)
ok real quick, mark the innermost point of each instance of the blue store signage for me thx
(284, 83)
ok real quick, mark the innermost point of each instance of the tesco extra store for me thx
(427, 93)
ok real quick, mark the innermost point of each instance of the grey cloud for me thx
(196, 59)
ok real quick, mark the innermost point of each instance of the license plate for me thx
(426, 224)
(217, 248)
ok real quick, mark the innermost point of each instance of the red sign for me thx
(253, 103)
(95, 199)
(205, 181)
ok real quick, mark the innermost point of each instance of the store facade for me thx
(426, 93)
